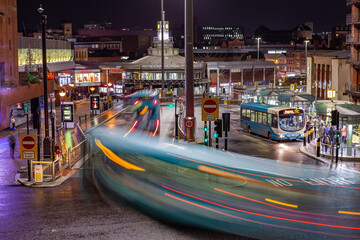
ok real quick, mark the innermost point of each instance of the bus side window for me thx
(248, 115)
(253, 116)
(265, 121)
(269, 119)
(275, 121)
(259, 117)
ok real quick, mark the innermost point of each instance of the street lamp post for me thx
(306, 53)
(189, 70)
(62, 95)
(43, 38)
(162, 49)
(258, 48)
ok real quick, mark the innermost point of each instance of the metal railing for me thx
(52, 170)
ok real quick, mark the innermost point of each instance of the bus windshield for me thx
(292, 120)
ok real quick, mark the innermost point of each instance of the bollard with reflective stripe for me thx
(305, 138)
(318, 147)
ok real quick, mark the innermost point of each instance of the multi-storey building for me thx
(353, 40)
(8, 44)
(330, 71)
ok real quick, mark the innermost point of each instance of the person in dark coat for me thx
(12, 143)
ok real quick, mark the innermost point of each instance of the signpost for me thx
(28, 150)
(210, 109)
(28, 147)
(209, 112)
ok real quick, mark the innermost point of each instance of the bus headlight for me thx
(282, 135)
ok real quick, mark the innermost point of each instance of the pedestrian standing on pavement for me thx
(332, 134)
(321, 131)
(12, 121)
(12, 143)
(344, 134)
(326, 141)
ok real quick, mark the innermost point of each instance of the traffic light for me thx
(338, 134)
(334, 117)
(218, 128)
(206, 140)
(205, 129)
(338, 146)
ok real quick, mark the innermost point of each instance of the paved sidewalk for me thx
(310, 151)
(10, 166)
(67, 173)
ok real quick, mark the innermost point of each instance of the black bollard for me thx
(318, 147)
(304, 138)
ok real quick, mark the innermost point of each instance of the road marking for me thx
(279, 183)
(281, 203)
(351, 213)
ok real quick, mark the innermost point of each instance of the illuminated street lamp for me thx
(258, 48)
(62, 95)
(71, 85)
(92, 89)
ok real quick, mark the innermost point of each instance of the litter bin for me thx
(38, 174)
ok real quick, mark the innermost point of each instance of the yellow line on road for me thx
(281, 203)
(351, 213)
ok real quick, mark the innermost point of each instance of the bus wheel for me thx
(249, 129)
(269, 135)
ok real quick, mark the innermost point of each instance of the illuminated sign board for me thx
(95, 102)
(68, 113)
(331, 93)
(291, 112)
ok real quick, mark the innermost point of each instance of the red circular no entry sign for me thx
(28, 142)
(210, 106)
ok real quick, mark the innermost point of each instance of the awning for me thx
(60, 66)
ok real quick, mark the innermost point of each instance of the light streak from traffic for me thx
(113, 157)
(132, 129)
(281, 203)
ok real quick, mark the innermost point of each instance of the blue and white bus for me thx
(273, 122)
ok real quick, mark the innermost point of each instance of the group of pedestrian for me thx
(327, 135)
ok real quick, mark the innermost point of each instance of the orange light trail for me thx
(132, 129)
(258, 175)
(116, 159)
(253, 221)
(271, 205)
(157, 127)
(263, 215)
(351, 213)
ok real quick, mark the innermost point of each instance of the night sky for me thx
(275, 14)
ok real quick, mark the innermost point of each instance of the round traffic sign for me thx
(28, 142)
(210, 106)
(189, 123)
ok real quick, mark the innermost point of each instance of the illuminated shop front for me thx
(87, 77)
(65, 78)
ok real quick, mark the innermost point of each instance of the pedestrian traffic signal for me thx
(218, 128)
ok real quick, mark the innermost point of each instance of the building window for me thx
(10, 45)
(10, 71)
(9, 21)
